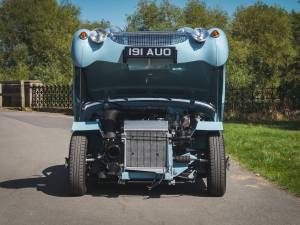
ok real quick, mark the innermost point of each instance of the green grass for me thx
(270, 149)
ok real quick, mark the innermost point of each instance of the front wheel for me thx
(77, 164)
(216, 177)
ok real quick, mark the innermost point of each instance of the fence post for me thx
(30, 95)
(22, 94)
(1, 95)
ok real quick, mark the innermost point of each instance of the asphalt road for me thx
(33, 187)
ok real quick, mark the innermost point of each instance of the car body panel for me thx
(196, 81)
(214, 51)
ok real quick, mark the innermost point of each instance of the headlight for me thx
(200, 34)
(98, 35)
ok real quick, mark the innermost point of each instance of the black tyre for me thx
(77, 164)
(216, 177)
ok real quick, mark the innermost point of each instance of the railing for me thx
(263, 100)
(52, 97)
(238, 100)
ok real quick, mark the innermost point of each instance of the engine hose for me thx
(109, 123)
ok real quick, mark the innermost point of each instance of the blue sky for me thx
(116, 10)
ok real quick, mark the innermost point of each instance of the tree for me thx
(239, 73)
(145, 17)
(170, 17)
(166, 16)
(151, 16)
(295, 17)
(266, 34)
(35, 39)
(196, 14)
(97, 24)
(292, 79)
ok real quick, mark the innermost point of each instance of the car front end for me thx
(148, 106)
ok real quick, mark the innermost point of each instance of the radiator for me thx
(146, 144)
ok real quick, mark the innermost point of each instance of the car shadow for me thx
(54, 182)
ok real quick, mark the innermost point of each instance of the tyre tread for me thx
(216, 180)
(77, 165)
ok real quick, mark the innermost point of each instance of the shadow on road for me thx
(54, 183)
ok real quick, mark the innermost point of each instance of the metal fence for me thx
(52, 97)
(264, 100)
(238, 100)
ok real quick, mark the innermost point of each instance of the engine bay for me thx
(138, 138)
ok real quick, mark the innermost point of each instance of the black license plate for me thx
(150, 52)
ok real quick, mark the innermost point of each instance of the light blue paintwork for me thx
(201, 125)
(174, 170)
(209, 126)
(169, 174)
(143, 175)
(179, 168)
(132, 175)
(85, 126)
(92, 125)
(214, 51)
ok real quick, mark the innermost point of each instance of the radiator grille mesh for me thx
(146, 147)
(149, 38)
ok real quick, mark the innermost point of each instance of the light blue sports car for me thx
(148, 107)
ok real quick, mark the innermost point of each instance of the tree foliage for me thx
(196, 14)
(151, 16)
(165, 16)
(96, 24)
(261, 41)
(35, 38)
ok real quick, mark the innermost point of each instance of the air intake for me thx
(145, 39)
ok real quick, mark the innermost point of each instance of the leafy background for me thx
(264, 40)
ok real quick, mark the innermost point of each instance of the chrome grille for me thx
(149, 38)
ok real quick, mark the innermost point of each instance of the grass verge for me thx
(270, 149)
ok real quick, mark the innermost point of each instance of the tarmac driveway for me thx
(33, 187)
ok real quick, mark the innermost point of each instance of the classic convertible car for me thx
(148, 107)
